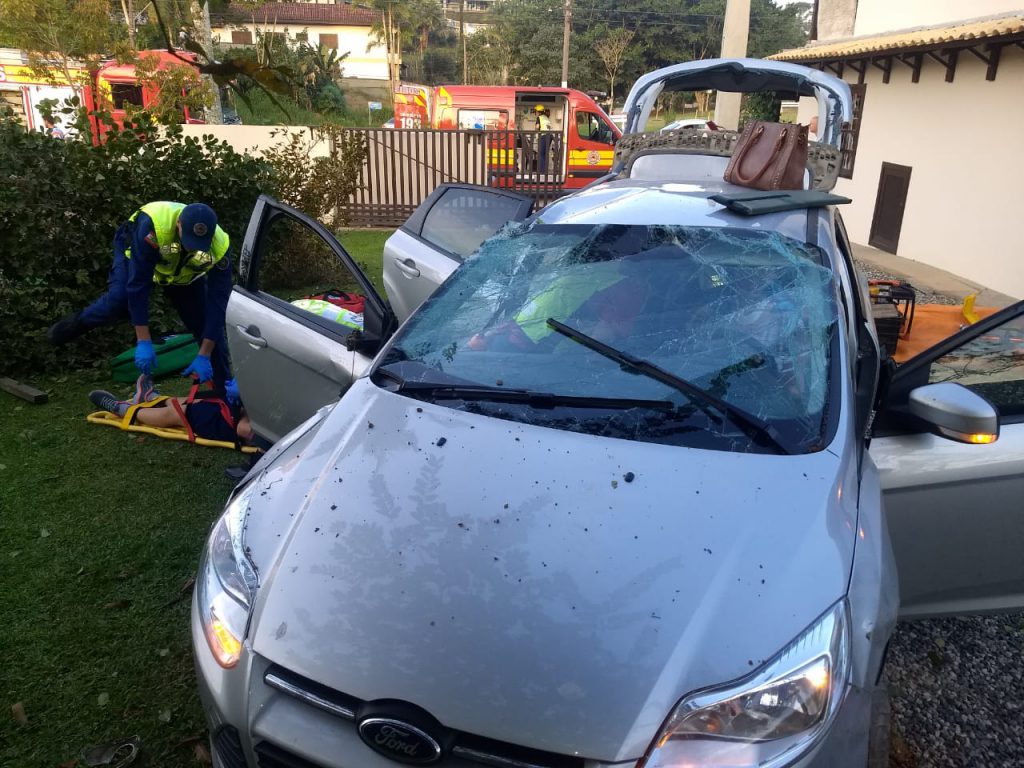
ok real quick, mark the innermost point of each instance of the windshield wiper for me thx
(482, 392)
(746, 420)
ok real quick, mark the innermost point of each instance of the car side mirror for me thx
(955, 412)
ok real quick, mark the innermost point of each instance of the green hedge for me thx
(60, 204)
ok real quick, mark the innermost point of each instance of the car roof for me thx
(633, 201)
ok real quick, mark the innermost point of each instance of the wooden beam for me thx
(979, 54)
(994, 52)
(861, 70)
(24, 391)
(913, 61)
(836, 67)
(951, 59)
(885, 66)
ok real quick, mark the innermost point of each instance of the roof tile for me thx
(937, 37)
(304, 13)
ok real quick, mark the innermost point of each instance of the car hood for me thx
(542, 587)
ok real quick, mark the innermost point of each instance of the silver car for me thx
(624, 491)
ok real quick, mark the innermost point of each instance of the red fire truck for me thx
(578, 147)
(113, 87)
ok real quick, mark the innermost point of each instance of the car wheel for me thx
(879, 728)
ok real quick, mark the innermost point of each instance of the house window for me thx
(301, 37)
(851, 132)
(329, 41)
(241, 37)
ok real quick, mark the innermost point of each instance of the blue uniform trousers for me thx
(189, 301)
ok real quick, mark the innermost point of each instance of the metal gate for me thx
(403, 166)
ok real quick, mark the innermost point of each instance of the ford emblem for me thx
(399, 741)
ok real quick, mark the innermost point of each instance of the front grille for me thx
(229, 747)
(465, 746)
(270, 756)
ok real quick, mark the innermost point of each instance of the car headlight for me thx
(769, 718)
(227, 583)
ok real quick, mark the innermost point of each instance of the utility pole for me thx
(201, 22)
(565, 43)
(462, 41)
(128, 8)
(735, 30)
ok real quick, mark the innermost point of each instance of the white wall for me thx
(965, 143)
(256, 138)
(366, 59)
(836, 18)
(874, 16)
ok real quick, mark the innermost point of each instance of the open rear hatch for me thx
(835, 108)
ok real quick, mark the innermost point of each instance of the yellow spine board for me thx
(167, 433)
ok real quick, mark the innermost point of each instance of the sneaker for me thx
(107, 402)
(66, 329)
(144, 390)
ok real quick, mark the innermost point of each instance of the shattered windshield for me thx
(743, 315)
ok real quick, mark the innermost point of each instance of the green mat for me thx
(173, 354)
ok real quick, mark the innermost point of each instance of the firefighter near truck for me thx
(552, 137)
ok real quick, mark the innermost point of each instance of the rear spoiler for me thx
(835, 104)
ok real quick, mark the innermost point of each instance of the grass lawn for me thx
(100, 534)
(366, 246)
(261, 110)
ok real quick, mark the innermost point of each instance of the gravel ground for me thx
(956, 683)
(923, 297)
(956, 692)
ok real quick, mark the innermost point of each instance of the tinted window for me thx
(464, 218)
(747, 315)
(991, 365)
(123, 94)
(592, 128)
(297, 266)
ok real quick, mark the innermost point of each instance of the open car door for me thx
(292, 351)
(446, 228)
(956, 510)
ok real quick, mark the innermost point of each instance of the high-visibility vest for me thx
(564, 296)
(174, 266)
(329, 311)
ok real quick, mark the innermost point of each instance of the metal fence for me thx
(404, 166)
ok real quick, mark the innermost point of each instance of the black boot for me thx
(66, 329)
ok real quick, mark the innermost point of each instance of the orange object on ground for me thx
(932, 324)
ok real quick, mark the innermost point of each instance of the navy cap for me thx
(198, 223)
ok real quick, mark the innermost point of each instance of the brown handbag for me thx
(769, 156)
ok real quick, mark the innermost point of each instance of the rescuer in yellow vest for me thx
(181, 248)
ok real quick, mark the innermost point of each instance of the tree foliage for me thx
(62, 201)
(524, 43)
(612, 49)
(58, 34)
(176, 89)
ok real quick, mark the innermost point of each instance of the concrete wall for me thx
(366, 59)
(836, 18)
(256, 138)
(874, 16)
(965, 144)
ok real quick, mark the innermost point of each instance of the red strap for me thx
(181, 415)
(225, 409)
(195, 389)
